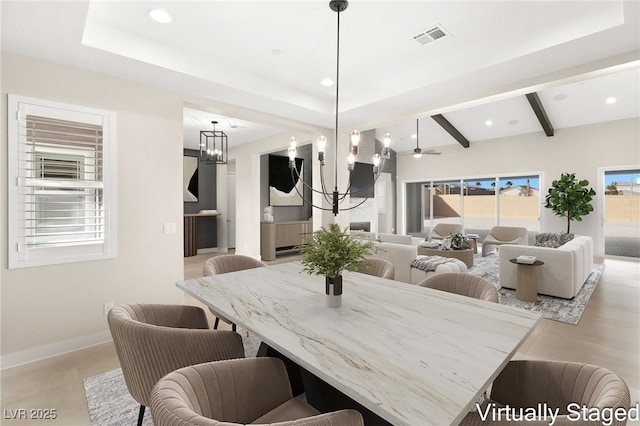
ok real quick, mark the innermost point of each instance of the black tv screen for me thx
(362, 181)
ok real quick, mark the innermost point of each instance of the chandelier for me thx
(213, 145)
(336, 197)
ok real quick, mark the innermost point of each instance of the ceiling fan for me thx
(417, 153)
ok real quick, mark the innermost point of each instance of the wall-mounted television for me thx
(282, 191)
(362, 181)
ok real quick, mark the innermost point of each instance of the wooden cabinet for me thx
(282, 237)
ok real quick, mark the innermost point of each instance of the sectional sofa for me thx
(565, 268)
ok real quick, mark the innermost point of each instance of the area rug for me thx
(110, 403)
(553, 308)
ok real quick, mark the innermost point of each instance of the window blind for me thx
(62, 185)
(63, 182)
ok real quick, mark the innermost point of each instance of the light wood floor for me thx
(607, 335)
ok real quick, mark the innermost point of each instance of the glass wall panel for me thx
(479, 205)
(519, 202)
(445, 201)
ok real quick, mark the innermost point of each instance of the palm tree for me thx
(478, 184)
(509, 184)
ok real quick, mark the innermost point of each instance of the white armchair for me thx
(504, 235)
(443, 230)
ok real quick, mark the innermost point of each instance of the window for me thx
(478, 203)
(62, 190)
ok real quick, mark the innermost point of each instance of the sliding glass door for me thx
(476, 203)
(519, 202)
(622, 213)
(479, 197)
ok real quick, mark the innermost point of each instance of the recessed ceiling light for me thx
(276, 51)
(513, 122)
(488, 123)
(611, 101)
(327, 82)
(560, 97)
(160, 15)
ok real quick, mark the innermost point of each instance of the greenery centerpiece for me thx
(328, 252)
(459, 241)
(570, 198)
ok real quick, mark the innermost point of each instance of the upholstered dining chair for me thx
(228, 263)
(462, 284)
(153, 340)
(528, 383)
(380, 268)
(443, 230)
(504, 235)
(237, 392)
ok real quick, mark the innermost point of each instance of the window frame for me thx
(19, 253)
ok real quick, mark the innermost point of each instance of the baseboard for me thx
(53, 349)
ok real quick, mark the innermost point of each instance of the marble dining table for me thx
(411, 355)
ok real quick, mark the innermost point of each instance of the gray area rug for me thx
(110, 403)
(553, 308)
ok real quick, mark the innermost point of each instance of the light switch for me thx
(169, 228)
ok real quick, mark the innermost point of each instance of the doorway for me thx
(231, 209)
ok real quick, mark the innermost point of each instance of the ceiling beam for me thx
(536, 104)
(444, 123)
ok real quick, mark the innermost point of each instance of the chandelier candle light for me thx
(336, 197)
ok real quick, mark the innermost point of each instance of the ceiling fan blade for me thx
(431, 152)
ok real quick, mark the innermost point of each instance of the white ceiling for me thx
(224, 51)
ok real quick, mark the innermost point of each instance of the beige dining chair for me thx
(504, 235)
(443, 230)
(380, 268)
(153, 340)
(529, 383)
(226, 263)
(462, 284)
(237, 392)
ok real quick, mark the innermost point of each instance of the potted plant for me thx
(328, 252)
(570, 198)
(459, 241)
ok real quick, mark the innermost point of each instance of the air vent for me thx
(431, 35)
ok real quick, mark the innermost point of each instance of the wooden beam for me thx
(444, 123)
(536, 104)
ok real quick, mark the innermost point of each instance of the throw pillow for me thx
(565, 237)
(548, 239)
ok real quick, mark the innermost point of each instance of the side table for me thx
(526, 286)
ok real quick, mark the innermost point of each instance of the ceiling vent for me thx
(431, 35)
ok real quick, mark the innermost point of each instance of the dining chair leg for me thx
(215, 324)
(233, 326)
(141, 415)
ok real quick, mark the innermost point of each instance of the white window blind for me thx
(63, 198)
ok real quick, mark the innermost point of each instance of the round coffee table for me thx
(526, 286)
(465, 255)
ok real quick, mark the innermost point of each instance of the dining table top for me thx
(412, 355)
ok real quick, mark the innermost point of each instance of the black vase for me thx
(333, 289)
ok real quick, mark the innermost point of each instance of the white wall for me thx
(579, 150)
(53, 309)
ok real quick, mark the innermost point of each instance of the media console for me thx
(282, 237)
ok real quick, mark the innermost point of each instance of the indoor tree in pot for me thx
(328, 252)
(570, 198)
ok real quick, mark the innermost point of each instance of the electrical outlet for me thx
(107, 307)
(169, 228)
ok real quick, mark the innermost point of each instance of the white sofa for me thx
(402, 255)
(565, 268)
